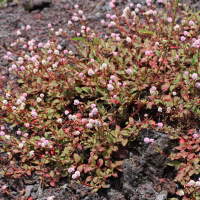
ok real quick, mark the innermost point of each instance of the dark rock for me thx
(30, 5)
(16, 184)
(28, 190)
(162, 195)
(153, 162)
(28, 180)
(132, 176)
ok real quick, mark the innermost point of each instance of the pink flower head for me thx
(131, 4)
(4, 187)
(48, 58)
(182, 38)
(114, 53)
(70, 170)
(46, 142)
(74, 176)
(9, 53)
(195, 136)
(83, 120)
(112, 77)
(2, 127)
(2, 133)
(65, 51)
(80, 12)
(197, 85)
(40, 45)
(76, 102)
(187, 82)
(94, 111)
(77, 173)
(151, 140)
(110, 87)
(128, 71)
(153, 88)
(102, 21)
(191, 23)
(76, 6)
(92, 60)
(147, 53)
(25, 134)
(114, 96)
(183, 21)
(19, 132)
(112, 5)
(118, 39)
(89, 125)
(169, 20)
(160, 125)
(24, 94)
(27, 125)
(5, 57)
(49, 25)
(80, 74)
(194, 76)
(146, 140)
(186, 73)
(107, 15)
(22, 68)
(93, 105)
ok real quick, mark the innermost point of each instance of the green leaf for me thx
(86, 89)
(39, 80)
(76, 158)
(124, 142)
(165, 87)
(78, 89)
(147, 31)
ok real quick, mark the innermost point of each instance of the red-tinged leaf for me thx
(102, 149)
(124, 142)
(165, 87)
(180, 107)
(80, 168)
(116, 164)
(182, 141)
(76, 158)
(167, 98)
(114, 101)
(119, 168)
(95, 179)
(88, 169)
(149, 105)
(88, 179)
(16, 151)
(131, 120)
(191, 131)
(100, 163)
(52, 183)
(28, 173)
(153, 123)
(79, 146)
(173, 47)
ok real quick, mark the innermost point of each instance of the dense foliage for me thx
(73, 110)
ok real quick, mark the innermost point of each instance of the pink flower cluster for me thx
(147, 140)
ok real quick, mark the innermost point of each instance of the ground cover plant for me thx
(73, 110)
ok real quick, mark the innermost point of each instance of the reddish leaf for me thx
(165, 87)
(79, 146)
(114, 101)
(80, 168)
(181, 141)
(100, 163)
(52, 183)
